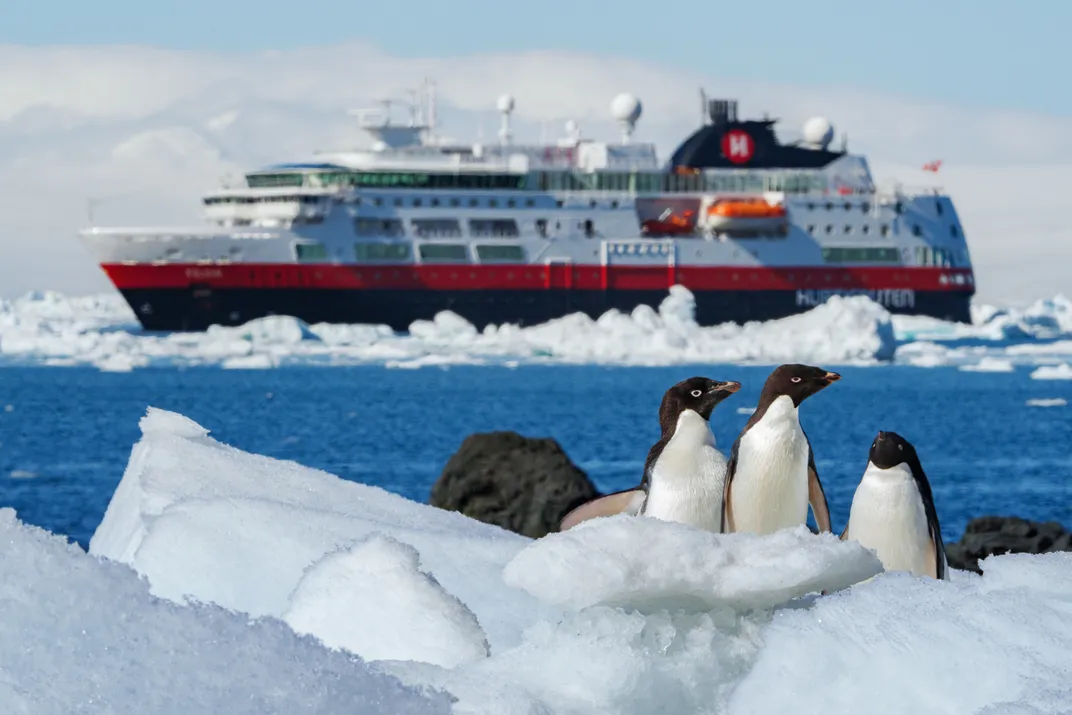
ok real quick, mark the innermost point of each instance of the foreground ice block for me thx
(650, 564)
(82, 635)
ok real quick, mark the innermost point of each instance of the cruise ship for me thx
(508, 232)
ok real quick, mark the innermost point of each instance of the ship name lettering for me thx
(203, 273)
(887, 297)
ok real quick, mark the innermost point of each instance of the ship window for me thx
(885, 230)
(493, 203)
(953, 231)
(493, 227)
(377, 201)
(398, 202)
(436, 227)
(938, 207)
(898, 207)
(811, 206)
(614, 204)
(811, 230)
(589, 228)
(378, 227)
(454, 202)
(311, 251)
(416, 202)
(829, 228)
(848, 228)
(511, 203)
(861, 255)
(434, 202)
(848, 206)
(382, 251)
(530, 203)
(472, 202)
(829, 206)
(256, 181)
(865, 207)
(866, 228)
(541, 227)
(916, 230)
(443, 252)
(490, 254)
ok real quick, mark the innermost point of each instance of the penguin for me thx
(771, 477)
(684, 471)
(893, 512)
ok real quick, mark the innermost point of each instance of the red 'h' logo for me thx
(737, 146)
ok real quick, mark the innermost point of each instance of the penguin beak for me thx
(829, 378)
(881, 436)
(728, 387)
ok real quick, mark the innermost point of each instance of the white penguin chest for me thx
(688, 477)
(887, 515)
(770, 482)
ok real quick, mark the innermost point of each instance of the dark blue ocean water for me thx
(66, 433)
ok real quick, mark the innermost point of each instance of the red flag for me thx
(933, 166)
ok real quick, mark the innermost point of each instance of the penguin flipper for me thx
(816, 495)
(727, 525)
(628, 501)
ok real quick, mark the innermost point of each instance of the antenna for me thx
(704, 113)
(505, 106)
(430, 93)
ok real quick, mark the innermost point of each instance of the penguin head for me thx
(890, 449)
(799, 381)
(699, 394)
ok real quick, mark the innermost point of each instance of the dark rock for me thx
(996, 535)
(522, 484)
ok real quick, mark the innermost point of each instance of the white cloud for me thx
(151, 129)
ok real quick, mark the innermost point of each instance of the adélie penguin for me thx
(893, 510)
(771, 478)
(684, 472)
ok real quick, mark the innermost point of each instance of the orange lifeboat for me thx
(749, 214)
(670, 223)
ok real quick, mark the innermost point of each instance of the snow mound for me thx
(45, 329)
(648, 564)
(897, 643)
(83, 635)
(372, 599)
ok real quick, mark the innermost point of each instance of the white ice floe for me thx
(102, 332)
(1053, 372)
(620, 615)
(989, 364)
(1048, 402)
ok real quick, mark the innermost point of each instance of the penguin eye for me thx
(696, 393)
(900, 447)
(795, 379)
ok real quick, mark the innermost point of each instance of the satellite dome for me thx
(505, 104)
(626, 108)
(818, 131)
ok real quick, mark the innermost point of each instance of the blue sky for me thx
(978, 53)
